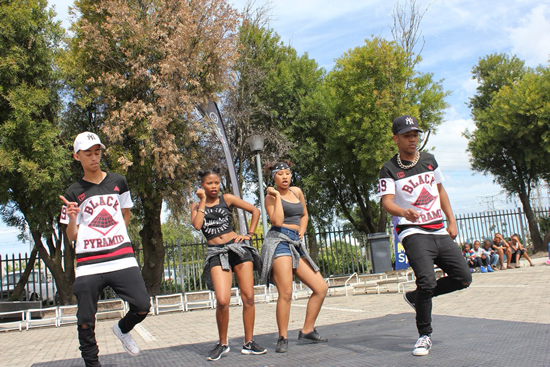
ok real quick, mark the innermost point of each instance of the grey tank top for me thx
(292, 211)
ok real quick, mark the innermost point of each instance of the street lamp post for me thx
(256, 143)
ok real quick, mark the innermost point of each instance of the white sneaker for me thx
(128, 342)
(423, 346)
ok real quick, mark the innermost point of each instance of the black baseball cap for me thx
(404, 124)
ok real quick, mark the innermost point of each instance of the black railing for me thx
(336, 251)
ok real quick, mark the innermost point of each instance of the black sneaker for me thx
(407, 297)
(282, 345)
(253, 348)
(217, 352)
(311, 337)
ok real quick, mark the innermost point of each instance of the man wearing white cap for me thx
(97, 214)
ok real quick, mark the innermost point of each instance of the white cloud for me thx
(307, 12)
(8, 230)
(469, 86)
(531, 39)
(62, 10)
(450, 146)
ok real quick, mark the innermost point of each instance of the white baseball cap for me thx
(86, 140)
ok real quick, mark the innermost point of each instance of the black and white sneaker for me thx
(217, 352)
(253, 348)
(410, 300)
(312, 336)
(423, 346)
(282, 345)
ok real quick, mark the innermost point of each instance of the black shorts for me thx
(519, 252)
(234, 259)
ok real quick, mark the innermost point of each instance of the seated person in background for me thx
(518, 250)
(490, 254)
(502, 248)
(470, 257)
(481, 258)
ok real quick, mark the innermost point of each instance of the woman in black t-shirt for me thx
(227, 252)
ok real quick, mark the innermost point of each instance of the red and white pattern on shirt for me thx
(415, 188)
(102, 242)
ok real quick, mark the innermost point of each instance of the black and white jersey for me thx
(103, 244)
(415, 188)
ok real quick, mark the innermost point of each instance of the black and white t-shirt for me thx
(217, 220)
(102, 244)
(415, 188)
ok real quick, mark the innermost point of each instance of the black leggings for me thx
(478, 261)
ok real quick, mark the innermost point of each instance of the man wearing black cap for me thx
(410, 187)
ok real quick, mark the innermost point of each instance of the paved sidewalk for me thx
(502, 319)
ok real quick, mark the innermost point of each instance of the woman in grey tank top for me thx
(284, 255)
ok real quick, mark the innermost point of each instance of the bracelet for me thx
(201, 210)
(251, 234)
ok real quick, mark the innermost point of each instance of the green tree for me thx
(174, 230)
(260, 94)
(346, 124)
(33, 158)
(511, 111)
(139, 68)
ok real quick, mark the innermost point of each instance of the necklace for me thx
(414, 162)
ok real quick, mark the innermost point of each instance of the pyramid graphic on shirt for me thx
(425, 200)
(103, 222)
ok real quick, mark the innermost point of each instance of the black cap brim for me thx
(407, 129)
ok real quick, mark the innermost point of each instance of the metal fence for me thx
(336, 251)
(481, 226)
(40, 284)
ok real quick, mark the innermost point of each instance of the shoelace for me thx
(424, 341)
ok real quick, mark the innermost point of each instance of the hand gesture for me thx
(72, 208)
(271, 191)
(411, 215)
(201, 194)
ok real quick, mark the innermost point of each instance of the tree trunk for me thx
(532, 223)
(312, 244)
(64, 279)
(20, 287)
(153, 246)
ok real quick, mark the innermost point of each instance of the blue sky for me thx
(456, 34)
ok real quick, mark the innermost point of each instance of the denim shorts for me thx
(283, 248)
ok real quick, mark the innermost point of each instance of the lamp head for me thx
(256, 143)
